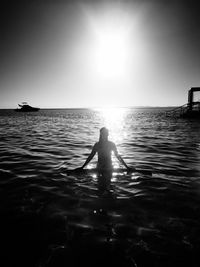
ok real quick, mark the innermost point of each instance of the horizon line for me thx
(99, 107)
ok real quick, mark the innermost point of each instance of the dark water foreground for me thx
(64, 222)
(49, 219)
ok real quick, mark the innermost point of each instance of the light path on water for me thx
(155, 219)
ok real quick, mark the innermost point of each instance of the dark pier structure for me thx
(193, 106)
(189, 110)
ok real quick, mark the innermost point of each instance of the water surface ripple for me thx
(51, 219)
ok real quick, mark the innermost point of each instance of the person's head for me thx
(103, 134)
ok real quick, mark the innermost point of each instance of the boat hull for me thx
(27, 110)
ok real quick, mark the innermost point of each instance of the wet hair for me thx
(103, 134)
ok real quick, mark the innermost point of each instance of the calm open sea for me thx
(51, 219)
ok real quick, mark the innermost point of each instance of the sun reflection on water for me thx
(115, 120)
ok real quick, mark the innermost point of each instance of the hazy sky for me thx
(98, 53)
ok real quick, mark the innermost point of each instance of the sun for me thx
(110, 50)
(108, 56)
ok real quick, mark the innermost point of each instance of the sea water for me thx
(49, 218)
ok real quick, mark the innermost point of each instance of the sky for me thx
(74, 54)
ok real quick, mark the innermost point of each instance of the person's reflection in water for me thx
(104, 149)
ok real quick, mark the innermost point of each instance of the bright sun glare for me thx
(111, 45)
(109, 61)
(114, 120)
(110, 54)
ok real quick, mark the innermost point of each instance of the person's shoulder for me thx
(112, 144)
(96, 145)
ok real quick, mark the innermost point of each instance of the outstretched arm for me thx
(90, 157)
(120, 158)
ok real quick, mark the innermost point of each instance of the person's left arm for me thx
(90, 157)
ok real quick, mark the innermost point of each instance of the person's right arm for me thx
(119, 157)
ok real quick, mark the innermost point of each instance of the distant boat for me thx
(24, 107)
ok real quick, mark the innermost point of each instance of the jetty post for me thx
(191, 97)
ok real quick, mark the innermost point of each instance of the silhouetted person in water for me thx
(104, 149)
